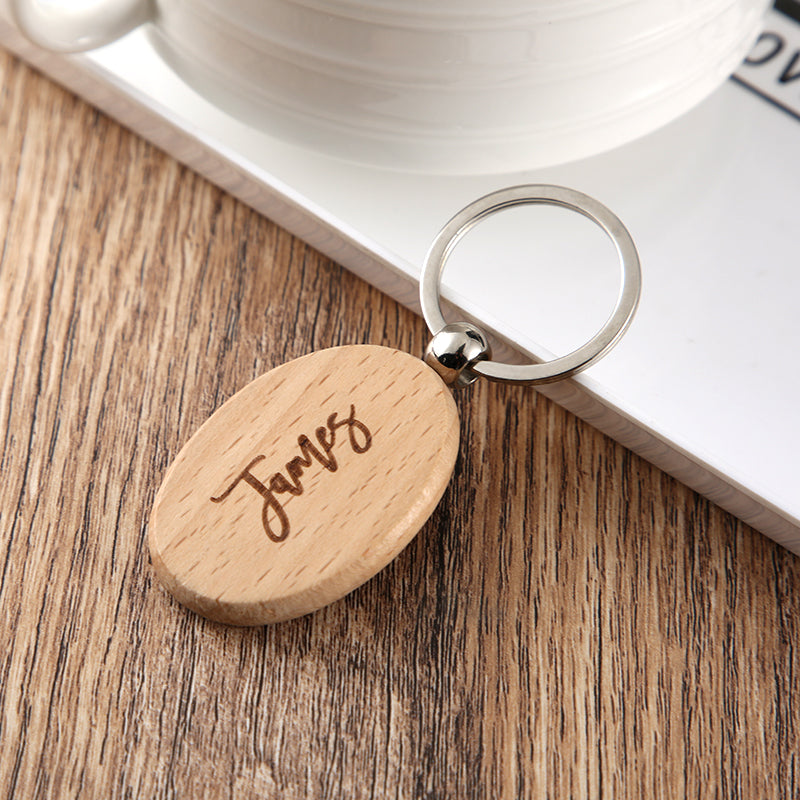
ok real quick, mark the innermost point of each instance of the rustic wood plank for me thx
(571, 622)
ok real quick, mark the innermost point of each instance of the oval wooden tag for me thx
(304, 484)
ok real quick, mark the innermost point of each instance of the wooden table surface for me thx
(570, 623)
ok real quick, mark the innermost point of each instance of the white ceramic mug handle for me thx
(70, 26)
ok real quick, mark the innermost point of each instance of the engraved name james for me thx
(360, 440)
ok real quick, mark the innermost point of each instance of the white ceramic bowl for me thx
(462, 86)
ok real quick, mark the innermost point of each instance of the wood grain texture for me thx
(307, 482)
(571, 622)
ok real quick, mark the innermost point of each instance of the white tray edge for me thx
(275, 200)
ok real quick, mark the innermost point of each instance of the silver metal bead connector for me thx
(453, 351)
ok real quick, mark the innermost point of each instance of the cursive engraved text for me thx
(321, 451)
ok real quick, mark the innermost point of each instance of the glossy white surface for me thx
(78, 25)
(704, 382)
(452, 87)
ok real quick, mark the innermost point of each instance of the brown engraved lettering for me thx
(360, 440)
(353, 425)
(270, 501)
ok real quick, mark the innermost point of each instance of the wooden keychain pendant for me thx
(304, 484)
(313, 477)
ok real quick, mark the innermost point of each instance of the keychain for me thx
(312, 478)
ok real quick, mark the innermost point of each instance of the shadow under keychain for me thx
(312, 478)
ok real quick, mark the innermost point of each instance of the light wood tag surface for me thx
(304, 484)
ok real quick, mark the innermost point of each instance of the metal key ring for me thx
(601, 342)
